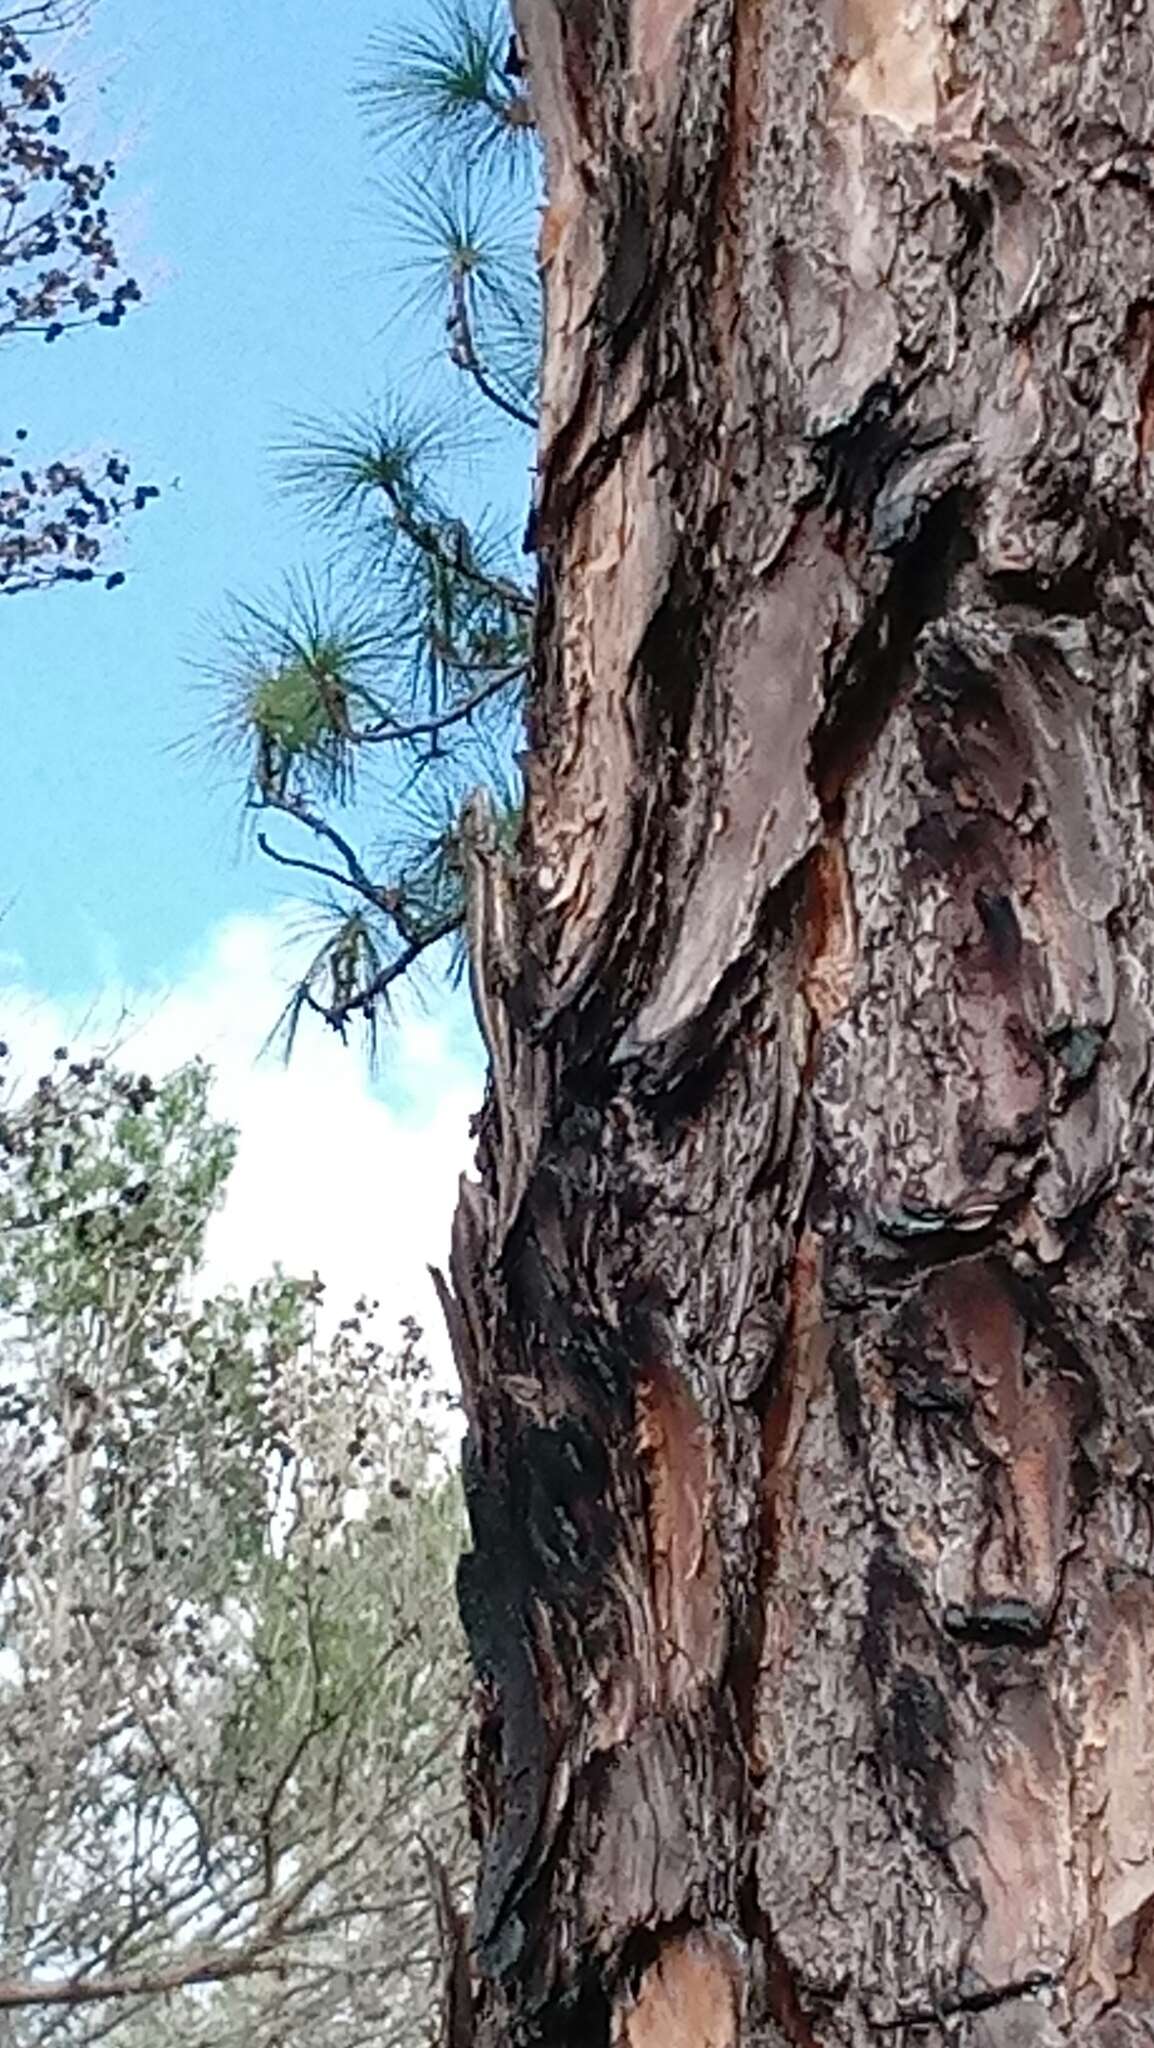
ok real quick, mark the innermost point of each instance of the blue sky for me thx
(245, 205)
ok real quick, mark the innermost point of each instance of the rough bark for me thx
(805, 1306)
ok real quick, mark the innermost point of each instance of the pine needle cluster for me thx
(368, 699)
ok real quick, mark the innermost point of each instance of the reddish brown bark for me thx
(805, 1305)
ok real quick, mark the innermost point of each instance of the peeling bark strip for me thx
(805, 1309)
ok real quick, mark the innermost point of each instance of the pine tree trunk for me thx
(806, 1307)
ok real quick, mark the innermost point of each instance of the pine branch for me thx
(437, 546)
(424, 728)
(314, 867)
(437, 624)
(355, 876)
(338, 1014)
(464, 355)
(452, 84)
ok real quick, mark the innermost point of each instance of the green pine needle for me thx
(292, 676)
(446, 83)
(425, 619)
(342, 468)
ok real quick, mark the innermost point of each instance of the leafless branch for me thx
(423, 728)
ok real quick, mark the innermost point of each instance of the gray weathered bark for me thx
(806, 1306)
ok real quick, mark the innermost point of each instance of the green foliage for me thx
(449, 84)
(293, 676)
(368, 701)
(463, 243)
(82, 1164)
(231, 1689)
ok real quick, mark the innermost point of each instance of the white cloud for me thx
(334, 1174)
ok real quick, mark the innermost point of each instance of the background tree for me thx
(231, 1684)
(374, 696)
(59, 270)
(804, 1309)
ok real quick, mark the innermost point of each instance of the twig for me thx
(421, 728)
(337, 1014)
(466, 358)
